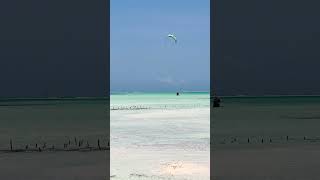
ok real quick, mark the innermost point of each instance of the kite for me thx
(172, 37)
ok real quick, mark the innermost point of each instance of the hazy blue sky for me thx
(143, 59)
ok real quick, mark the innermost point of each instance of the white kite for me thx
(172, 37)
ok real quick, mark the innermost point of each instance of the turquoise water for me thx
(160, 100)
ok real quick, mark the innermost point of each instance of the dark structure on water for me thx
(216, 101)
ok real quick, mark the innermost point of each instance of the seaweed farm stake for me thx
(75, 140)
(11, 145)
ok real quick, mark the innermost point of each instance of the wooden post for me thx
(99, 144)
(11, 145)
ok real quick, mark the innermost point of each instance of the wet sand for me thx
(160, 144)
(267, 162)
(168, 140)
(54, 166)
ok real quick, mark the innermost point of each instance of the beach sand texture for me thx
(168, 139)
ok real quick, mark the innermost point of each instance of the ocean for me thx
(160, 136)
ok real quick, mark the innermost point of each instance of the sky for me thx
(54, 48)
(266, 47)
(143, 59)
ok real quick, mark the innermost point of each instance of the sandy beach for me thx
(167, 140)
